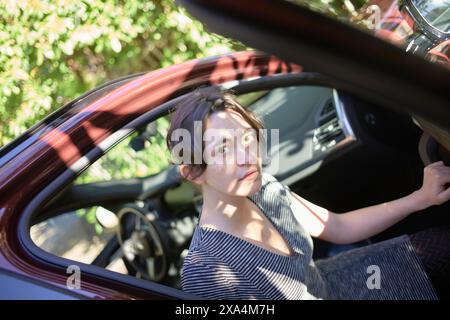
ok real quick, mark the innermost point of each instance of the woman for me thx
(253, 239)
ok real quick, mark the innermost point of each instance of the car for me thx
(356, 126)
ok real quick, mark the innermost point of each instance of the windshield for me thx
(436, 12)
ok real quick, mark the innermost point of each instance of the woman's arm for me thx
(360, 224)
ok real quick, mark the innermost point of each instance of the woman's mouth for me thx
(250, 175)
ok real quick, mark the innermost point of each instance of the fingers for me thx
(434, 164)
(437, 168)
(436, 176)
(442, 171)
(444, 196)
(442, 177)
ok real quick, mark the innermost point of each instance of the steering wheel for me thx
(142, 243)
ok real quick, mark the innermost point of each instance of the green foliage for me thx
(51, 51)
(122, 162)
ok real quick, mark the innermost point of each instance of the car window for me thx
(436, 13)
(142, 154)
(89, 231)
(74, 235)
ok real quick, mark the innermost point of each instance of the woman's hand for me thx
(363, 223)
(434, 190)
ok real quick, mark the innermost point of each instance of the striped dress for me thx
(222, 266)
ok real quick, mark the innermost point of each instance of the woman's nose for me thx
(246, 154)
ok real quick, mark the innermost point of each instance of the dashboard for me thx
(305, 124)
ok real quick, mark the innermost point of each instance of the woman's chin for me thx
(242, 188)
(249, 188)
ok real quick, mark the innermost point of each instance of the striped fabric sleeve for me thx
(287, 194)
(209, 278)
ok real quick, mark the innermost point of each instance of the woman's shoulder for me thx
(272, 188)
(269, 179)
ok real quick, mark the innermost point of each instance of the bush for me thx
(52, 51)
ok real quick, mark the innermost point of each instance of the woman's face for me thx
(235, 163)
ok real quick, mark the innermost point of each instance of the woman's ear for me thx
(185, 172)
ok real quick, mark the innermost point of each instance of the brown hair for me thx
(198, 107)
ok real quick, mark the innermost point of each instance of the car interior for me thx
(334, 149)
